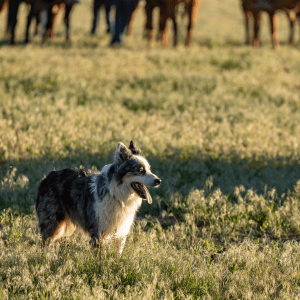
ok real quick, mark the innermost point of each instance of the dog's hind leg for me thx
(57, 234)
(54, 223)
(63, 228)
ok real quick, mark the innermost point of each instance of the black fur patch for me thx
(131, 165)
(101, 186)
(110, 173)
(64, 193)
(134, 149)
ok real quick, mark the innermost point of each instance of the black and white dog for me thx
(103, 204)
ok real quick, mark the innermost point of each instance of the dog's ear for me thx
(122, 154)
(134, 149)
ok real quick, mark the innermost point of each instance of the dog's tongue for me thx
(142, 191)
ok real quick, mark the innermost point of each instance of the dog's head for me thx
(134, 170)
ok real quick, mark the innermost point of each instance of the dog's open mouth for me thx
(142, 191)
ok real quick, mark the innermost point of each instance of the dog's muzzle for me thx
(157, 182)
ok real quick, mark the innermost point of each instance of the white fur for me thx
(105, 168)
(116, 211)
(93, 186)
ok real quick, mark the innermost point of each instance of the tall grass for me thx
(219, 123)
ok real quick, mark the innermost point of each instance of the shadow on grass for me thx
(57, 43)
(6, 42)
(212, 43)
(180, 173)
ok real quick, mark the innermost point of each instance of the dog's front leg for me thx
(98, 242)
(120, 243)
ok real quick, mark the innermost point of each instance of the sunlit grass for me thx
(219, 123)
(156, 263)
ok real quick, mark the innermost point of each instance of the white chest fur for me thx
(116, 217)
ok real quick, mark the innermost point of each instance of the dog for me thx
(103, 204)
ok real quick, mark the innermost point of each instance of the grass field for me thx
(219, 123)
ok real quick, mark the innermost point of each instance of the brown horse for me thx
(51, 9)
(44, 8)
(52, 17)
(3, 5)
(293, 15)
(254, 8)
(168, 10)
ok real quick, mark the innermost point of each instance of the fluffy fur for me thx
(103, 204)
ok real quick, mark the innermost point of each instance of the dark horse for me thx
(96, 11)
(37, 7)
(254, 8)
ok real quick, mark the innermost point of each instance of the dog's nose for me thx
(157, 181)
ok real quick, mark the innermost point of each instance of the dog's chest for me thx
(116, 216)
(125, 216)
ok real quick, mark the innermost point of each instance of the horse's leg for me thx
(193, 14)
(13, 7)
(96, 14)
(67, 20)
(130, 24)
(149, 23)
(175, 37)
(163, 30)
(29, 18)
(107, 15)
(274, 29)
(256, 41)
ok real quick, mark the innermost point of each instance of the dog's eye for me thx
(142, 170)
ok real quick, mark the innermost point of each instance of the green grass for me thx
(219, 123)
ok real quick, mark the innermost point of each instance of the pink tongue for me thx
(142, 191)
